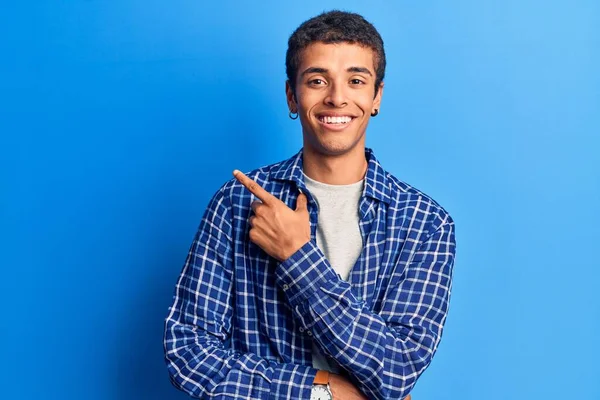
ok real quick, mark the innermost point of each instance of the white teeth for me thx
(335, 120)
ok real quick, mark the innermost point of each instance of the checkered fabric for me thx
(242, 323)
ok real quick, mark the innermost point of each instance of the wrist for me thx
(293, 249)
(321, 389)
(321, 378)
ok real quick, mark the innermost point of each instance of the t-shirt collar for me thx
(376, 181)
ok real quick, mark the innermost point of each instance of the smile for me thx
(334, 120)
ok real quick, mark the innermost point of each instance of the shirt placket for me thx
(313, 211)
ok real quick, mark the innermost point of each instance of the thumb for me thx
(301, 203)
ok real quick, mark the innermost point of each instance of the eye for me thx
(357, 81)
(316, 82)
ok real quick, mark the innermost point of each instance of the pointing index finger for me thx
(253, 187)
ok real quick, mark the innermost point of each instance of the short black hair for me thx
(334, 27)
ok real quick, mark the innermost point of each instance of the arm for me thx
(386, 352)
(199, 323)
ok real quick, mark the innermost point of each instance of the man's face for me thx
(335, 89)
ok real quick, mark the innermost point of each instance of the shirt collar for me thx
(376, 181)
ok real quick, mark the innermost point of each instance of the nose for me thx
(336, 96)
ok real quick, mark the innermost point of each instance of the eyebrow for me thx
(360, 70)
(318, 70)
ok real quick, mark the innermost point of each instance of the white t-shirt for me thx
(338, 236)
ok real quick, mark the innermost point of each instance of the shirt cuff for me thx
(292, 381)
(303, 273)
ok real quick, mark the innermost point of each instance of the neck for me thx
(343, 169)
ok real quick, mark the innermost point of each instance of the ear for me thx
(377, 100)
(291, 97)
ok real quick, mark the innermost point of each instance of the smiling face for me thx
(335, 93)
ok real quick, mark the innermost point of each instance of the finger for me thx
(254, 236)
(253, 187)
(251, 221)
(256, 205)
(301, 202)
(258, 236)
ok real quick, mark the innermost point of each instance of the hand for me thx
(276, 228)
(343, 389)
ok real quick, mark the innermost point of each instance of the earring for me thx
(374, 113)
(293, 115)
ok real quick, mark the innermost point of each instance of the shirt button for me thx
(301, 329)
(309, 333)
(285, 287)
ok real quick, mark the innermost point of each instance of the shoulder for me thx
(406, 201)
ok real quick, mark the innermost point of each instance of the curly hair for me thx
(334, 27)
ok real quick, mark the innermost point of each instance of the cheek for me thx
(305, 104)
(307, 99)
(365, 102)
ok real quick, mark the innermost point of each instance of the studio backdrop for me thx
(120, 119)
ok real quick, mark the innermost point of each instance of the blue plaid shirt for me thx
(242, 323)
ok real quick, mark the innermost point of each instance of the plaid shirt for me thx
(242, 323)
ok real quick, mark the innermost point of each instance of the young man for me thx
(322, 276)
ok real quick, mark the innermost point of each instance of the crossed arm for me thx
(384, 353)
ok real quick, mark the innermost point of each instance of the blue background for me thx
(119, 120)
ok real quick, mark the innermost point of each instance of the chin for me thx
(333, 144)
(335, 148)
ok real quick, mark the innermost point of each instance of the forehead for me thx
(337, 56)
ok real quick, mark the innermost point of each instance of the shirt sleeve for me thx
(197, 328)
(384, 352)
